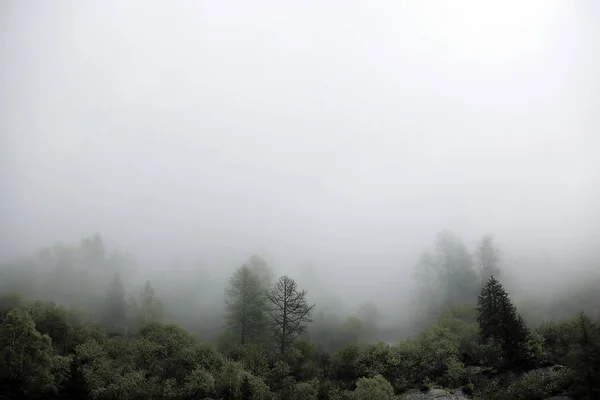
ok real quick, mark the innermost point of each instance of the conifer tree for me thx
(246, 305)
(586, 357)
(499, 321)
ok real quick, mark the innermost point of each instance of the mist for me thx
(340, 136)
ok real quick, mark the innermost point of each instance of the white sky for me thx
(343, 132)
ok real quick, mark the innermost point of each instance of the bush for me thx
(199, 384)
(539, 384)
(305, 391)
(376, 388)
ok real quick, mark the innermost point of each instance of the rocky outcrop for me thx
(435, 394)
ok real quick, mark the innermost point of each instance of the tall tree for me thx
(246, 305)
(26, 357)
(289, 312)
(446, 277)
(499, 321)
(149, 308)
(586, 356)
(261, 269)
(115, 312)
(487, 258)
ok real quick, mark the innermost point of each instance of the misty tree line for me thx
(96, 341)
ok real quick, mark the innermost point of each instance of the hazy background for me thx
(342, 135)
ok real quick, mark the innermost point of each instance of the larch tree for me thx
(500, 321)
(289, 312)
(246, 305)
(487, 257)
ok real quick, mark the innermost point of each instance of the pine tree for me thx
(586, 357)
(499, 321)
(289, 312)
(246, 305)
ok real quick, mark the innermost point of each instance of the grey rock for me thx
(435, 394)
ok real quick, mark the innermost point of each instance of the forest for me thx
(80, 321)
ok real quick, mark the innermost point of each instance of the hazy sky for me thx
(346, 133)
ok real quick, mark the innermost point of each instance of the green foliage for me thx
(538, 385)
(255, 388)
(305, 391)
(168, 350)
(228, 380)
(246, 306)
(585, 357)
(27, 360)
(499, 320)
(49, 351)
(53, 321)
(199, 384)
(376, 388)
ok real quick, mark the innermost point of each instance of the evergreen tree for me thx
(499, 321)
(246, 305)
(586, 357)
(289, 312)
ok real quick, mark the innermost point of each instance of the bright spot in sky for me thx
(486, 30)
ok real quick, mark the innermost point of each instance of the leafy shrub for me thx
(376, 388)
(538, 384)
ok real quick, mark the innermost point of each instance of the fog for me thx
(338, 135)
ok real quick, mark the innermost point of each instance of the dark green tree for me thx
(289, 312)
(585, 357)
(246, 305)
(26, 358)
(500, 321)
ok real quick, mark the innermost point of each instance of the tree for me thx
(376, 388)
(585, 357)
(149, 308)
(370, 314)
(488, 257)
(246, 305)
(446, 277)
(289, 312)
(26, 358)
(261, 269)
(499, 321)
(115, 312)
